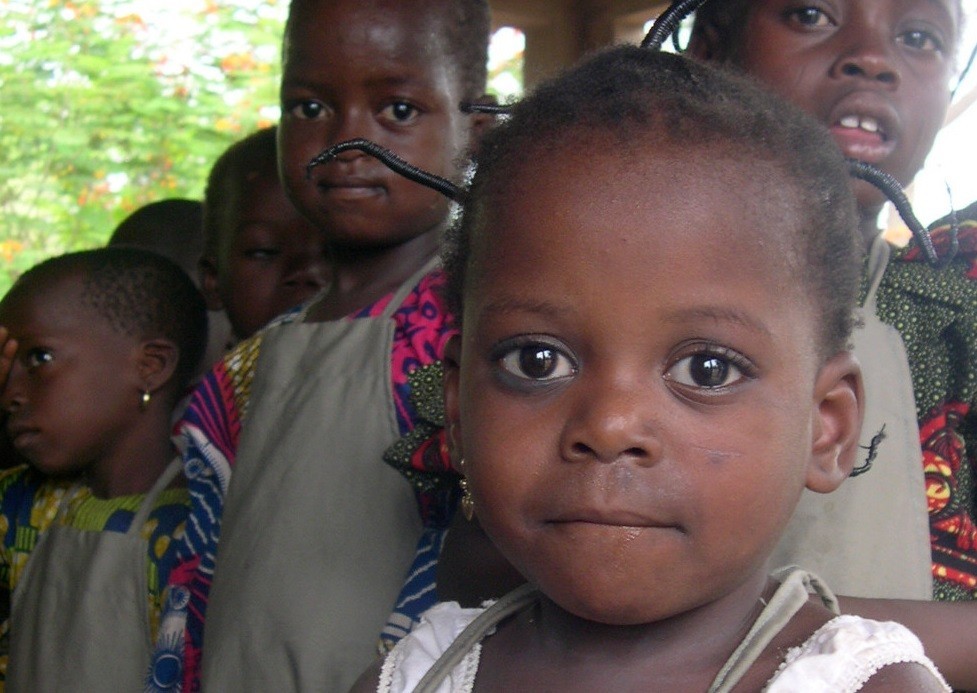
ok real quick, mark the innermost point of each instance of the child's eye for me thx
(400, 112)
(307, 110)
(922, 40)
(37, 357)
(260, 253)
(709, 369)
(536, 360)
(809, 17)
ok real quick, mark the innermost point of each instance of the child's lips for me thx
(864, 145)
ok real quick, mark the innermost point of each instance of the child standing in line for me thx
(174, 229)
(316, 533)
(654, 275)
(261, 257)
(99, 346)
(877, 75)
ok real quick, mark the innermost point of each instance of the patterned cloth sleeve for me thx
(208, 436)
(935, 311)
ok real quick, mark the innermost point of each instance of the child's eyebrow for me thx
(718, 314)
(520, 305)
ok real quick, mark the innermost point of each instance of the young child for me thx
(877, 76)
(655, 274)
(174, 229)
(261, 257)
(316, 533)
(99, 346)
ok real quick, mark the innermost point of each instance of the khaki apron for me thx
(318, 533)
(870, 538)
(796, 585)
(80, 614)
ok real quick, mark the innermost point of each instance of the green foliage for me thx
(104, 108)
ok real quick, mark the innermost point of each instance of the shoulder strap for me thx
(517, 600)
(793, 593)
(146, 507)
(403, 291)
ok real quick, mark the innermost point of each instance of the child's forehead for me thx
(409, 35)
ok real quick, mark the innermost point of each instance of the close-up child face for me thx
(379, 71)
(638, 371)
(74, 385)
(876, 72)
(271, 257)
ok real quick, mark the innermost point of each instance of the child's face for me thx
(379, 71)
(876, 72)
(73, 392)
(271, 257)
(635, 404)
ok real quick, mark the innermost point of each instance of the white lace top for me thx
(839, 658)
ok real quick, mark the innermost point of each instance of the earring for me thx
(467, 502)
(144, 402)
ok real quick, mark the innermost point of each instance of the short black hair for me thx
(629, 92)
(139, 293)
(467, 26)
(255, 155)
(172, 227)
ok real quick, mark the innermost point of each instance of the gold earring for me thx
(467, 502)
(144, 402)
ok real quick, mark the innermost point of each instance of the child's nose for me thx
(350, 125)
(14, 394)
(308, 270)
(612, 423)
(870, 58)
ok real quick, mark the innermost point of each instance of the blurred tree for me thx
(107, 104)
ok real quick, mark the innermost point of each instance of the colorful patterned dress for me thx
(29, 504)
(208, 436)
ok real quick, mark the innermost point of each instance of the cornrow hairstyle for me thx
(138, 293)
(630, 92)
(467, 26)
(251, 157)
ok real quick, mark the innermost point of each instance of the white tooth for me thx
(849, 122)
(870, 125)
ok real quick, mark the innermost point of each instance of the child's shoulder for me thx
(844, 653)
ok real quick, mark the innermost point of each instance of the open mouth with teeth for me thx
(863, 123)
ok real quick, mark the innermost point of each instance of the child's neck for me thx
(868, 226)
(684, 652)
(360, 278)
(134, 465)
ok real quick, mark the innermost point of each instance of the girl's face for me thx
(876, 72)
(638, 384)
(271, 257)
(74, 389)
(379, 71)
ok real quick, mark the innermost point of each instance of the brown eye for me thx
(708, 370)
(537, 361)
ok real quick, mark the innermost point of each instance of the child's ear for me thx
(452, 406)
(207, 271)
(481, 123)
(705, 43)
(839, 399)
(156, 362)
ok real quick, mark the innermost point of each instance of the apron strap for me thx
(515, 601)
(149, 501)
(878, 260)
(793, 593)
(404, 289)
